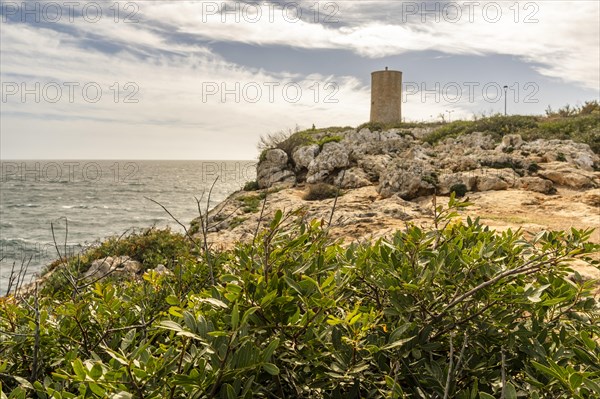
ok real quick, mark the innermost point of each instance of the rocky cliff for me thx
(389, 178)
(398, 163)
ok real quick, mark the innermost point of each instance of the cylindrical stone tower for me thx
(386, 96)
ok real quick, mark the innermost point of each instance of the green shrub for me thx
(150, 247)
(250, 203)
(404, 133)
(458, 310)
(331, 129)
(288, 142)
(320, 191)
(452, 129)
(378, 126)
(431, 178)
(581, 128)
(263, 156)
(372, 126)
(497, 126)
(584, 128)
(459, 190)
(329, 139)
(533, 168)
(251, 186)
(296, 140)
(589, 107)
(236, 221)
(513, 164)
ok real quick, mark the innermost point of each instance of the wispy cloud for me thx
(560, 39)
(185, 92)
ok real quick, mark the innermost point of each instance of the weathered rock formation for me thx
(115, 266)
(400, 164)
(274, 169)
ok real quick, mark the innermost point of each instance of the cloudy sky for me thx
(203, 80)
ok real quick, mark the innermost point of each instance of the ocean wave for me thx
(78, 207)
(22, 206)
(17, 241)
(20, 248)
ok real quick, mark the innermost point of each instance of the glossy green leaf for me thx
(271, 368)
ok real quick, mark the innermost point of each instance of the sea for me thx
(85, 201)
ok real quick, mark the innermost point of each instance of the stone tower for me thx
(386, 96)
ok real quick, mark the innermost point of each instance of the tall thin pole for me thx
(505, 89)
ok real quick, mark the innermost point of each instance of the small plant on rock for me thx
(459, 190)
(251, 186)
(320, 191)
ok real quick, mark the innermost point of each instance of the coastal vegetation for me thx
(452, 309)
(289, 140)
(581, 128)
(456, 310)
(580, 124)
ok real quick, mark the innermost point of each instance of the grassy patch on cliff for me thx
(250, 203)
(579, 127)
(497, 126)
(457, 310)
(379, 127)
(290, 140)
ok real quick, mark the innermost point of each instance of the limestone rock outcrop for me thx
(334, 156)
(352, 178)
(274, 169)
(303, 156)
(564, 174)
(399, 163)
(537, 184)
(122, 266)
